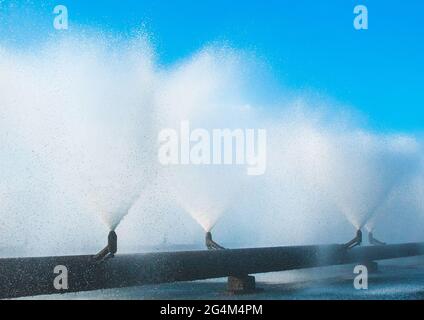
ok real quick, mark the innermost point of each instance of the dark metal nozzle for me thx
(355, 241)
(112, 242)
(210, 244)
(110, 249)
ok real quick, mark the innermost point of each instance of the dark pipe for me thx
(34, 276)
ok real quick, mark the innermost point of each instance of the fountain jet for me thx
(110, 249)
(210, 244)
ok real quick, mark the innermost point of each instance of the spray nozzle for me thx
(110, 249)
(210, 244)
(355, 241)
(374, 241)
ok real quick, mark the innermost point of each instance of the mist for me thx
(79, 122)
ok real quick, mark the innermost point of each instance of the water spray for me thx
(355, 241)
(110, 249)
(210, 244)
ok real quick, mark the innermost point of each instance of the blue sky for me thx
(307, 44)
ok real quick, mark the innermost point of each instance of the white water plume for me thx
(408, 151)
(79, 122)
(319, 170)
(84, 115)
(205, 92)
(364, 170)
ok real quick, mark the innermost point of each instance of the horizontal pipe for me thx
(35, 276)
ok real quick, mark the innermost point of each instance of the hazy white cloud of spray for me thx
(78, 133)
(75, 121)
(205, 90)
(363, 170)
(404, 162)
